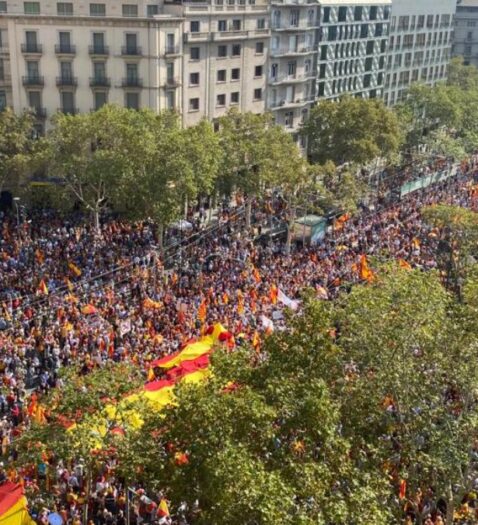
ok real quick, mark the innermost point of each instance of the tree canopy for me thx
(351, 130)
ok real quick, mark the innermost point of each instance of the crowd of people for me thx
(71, 294)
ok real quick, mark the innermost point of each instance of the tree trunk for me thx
(248, 211)
(96, 218)
(186, 208)
(450, 507)
(211, 204)
(161, 240)
(290, 226)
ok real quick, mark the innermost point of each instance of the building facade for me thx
(77, 56)
(202, 57)
(421, 36)
(465, 42)
(226, 44)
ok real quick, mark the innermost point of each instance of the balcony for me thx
(99, 51)
(33, 81)
(66, 81)
(290, 104)
(172, 82)
(38, 112)
(4, 50)
(131, 51)
(32, 49)
(196, 37)
(229, 35)
(292, 52)
(292, 79)
(65, 49)
(132, 82)
(103, 82)
(302, 26)
(171, 50)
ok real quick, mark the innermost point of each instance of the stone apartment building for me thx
(202, 57)
(465, 41)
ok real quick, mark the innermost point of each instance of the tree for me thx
(16, 144)
(92, 152)
(351, 130)
(169, 173)
(429, 108)
(462, 76)
(259, 447)
(76, 424)
(204, 154)
(256, 155)
(457, 231)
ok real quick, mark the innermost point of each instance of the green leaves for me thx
(351, 130)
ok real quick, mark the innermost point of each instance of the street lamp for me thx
(16, 200)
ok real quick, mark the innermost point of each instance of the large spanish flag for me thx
(13, 505)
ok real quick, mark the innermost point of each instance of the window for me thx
(132, 72)
(34, 99)
(31, 8)
(222, 25)
(33, 69)
(194, 53)
(294, 18)
(236, 25)
(235, 74)
(130, 10)
(358, 13)
(259, 48)
(258, 71)
(221, 75)
(101, 98)
(236, 50)
(132, 100)
(194, 79)
(3, 100)
(170, 72)
(221, 100)
(235, 97)
(373, 12)
(97, 10)
(170, 99)
(64, 38)
(289, 119)
(67, 101)
(342, 14)
(261, 23)
(64, 8)
(99, 70)
(222, 51)
(194, 26)
(258, 94)
(370, 46)
(193, 104)
(66, 70)
(152, 10)
(326, 16)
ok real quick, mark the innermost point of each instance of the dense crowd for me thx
(74, 295)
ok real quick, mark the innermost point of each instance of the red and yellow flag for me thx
(149, 304)
(404, 264)
(257, 275)
(163, 510)
(365, 273)
(74, 269)
(403, 489)
(273, 293)
(13, 505)
(202, 311)
(42, 288)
